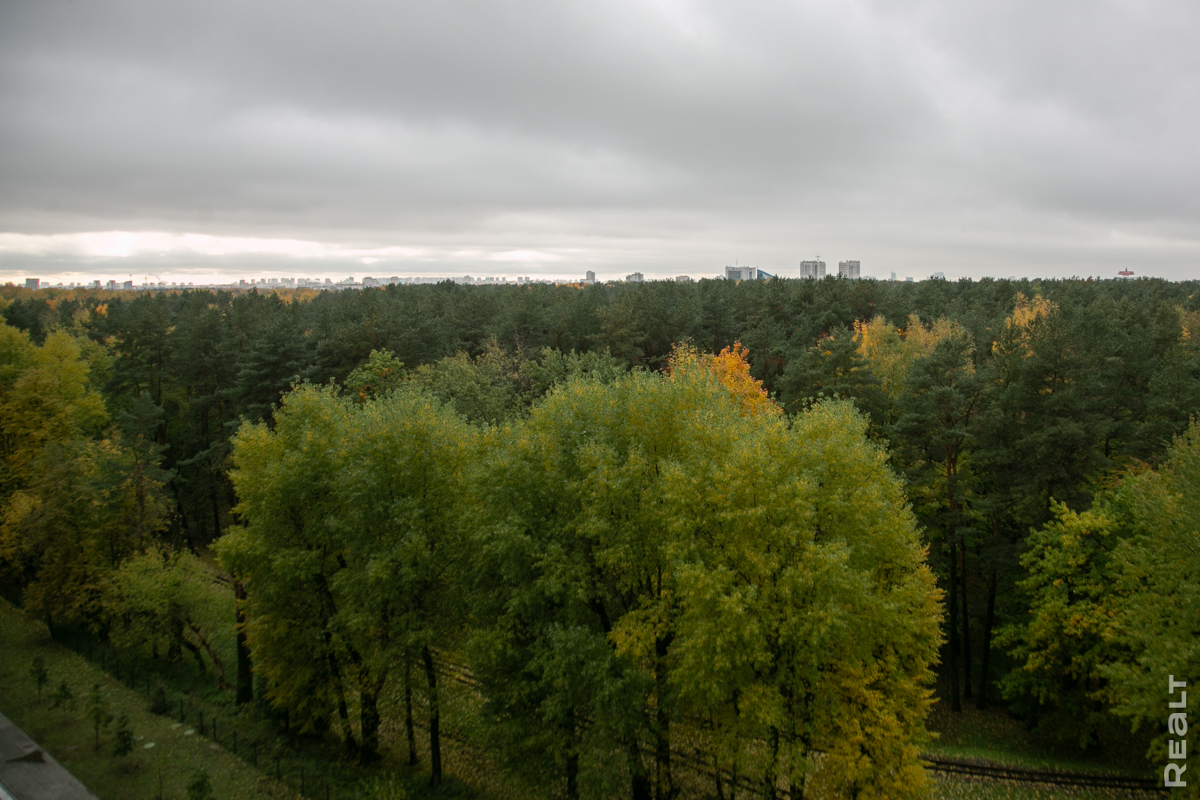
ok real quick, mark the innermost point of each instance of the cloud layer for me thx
(549, 137)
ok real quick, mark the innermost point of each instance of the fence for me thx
(269, 755)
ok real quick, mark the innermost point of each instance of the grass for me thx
(177, 751)
(959, 788)
(181, 747)
(994, 735)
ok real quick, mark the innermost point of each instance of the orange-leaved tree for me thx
(732, 370)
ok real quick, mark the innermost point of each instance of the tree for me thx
(288, 554)
(381, 373)
(122, 736)
(934, 434)
(84, 510)
(199, 786)
(833, 367)
(45, 398)
(357, 503)
(63, 697)
(665, 549)
(576, 574)
(39, 673)
(810, 620)
(156, 602)
(1113, 604)
(96, 711)
(1156, 600)
(400, 491)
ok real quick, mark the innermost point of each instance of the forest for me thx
(768, 524)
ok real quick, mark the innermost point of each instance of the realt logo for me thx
(1177, 726)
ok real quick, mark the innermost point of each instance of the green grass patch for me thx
(70, 738)
(947, 787)
(996, 736)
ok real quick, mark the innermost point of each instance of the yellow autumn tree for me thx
(731, 369)
(892, 351)
(1026, 312)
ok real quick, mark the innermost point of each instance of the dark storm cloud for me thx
(963, 137)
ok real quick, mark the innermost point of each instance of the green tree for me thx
(63, 697)
(156, 602)
(661, 549)
(1113, 604)
(401, 494)
(96, 711)
(810, 619)
(45, 398)
(934, 436)
(381, 373)
(833, 367)
(122, 736)
(199, 786)
(39, 673)
(376, 545)
(1156, 600)
(289, 552)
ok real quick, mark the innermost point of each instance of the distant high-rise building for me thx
(812, 269)
(741, 273)
(589, 277)
(849, 270)
(33, 283)
(683, 279)
(893, 276)
(635, 277)
(938, 276)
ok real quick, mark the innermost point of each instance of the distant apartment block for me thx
(635, 277)
(849, 270)
(684, 279)
(33, 283)
(589, 277)
(741, 273)
(812, 269)
(938, 276)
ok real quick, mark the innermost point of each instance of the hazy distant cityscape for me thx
(813, 270)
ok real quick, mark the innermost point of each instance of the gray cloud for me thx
(982, 138)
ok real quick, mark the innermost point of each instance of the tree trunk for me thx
(573, 776)
(216, 660)
(194, 650)
(955, 703)
(665, 785)
(987, 639)
(408, 714)
(771, 781)
(245, 669)
(368, 715)
(435, 740)
(216, 512)
(966, 621)
(639, 780)
(335, 672)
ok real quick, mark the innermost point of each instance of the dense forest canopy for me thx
(596, 487)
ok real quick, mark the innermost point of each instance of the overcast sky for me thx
(181, 140)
